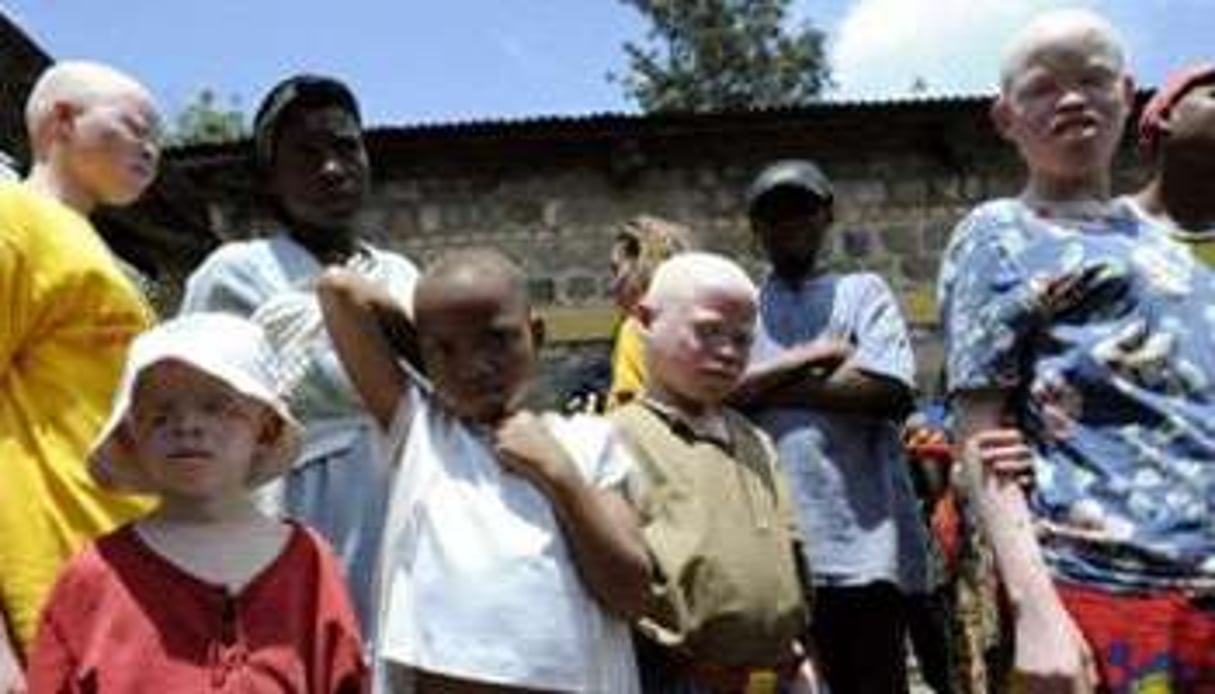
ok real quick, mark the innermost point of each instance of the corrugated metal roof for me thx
(540, 125)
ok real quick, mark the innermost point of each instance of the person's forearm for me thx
(11, 677)
(762, 384)
(348, 306)
(1003, 510)
(847, 390)
(606, 541)
(399, 330)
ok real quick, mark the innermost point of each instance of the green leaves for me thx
(711, 55)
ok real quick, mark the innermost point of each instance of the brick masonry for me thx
(550, 192)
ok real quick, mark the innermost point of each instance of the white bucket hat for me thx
(223, 346)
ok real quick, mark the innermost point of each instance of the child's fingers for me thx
(998, 438)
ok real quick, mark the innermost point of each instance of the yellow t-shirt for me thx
(1203, 247)
(67, 315)
(628, 365)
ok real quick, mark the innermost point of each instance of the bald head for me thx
(471, 272)
(79, 84)
(689, 276)
(1079, 28)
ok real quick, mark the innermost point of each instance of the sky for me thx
(429, 61)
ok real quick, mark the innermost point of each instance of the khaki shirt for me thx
(718, 522)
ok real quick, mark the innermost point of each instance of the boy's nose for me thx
(332, 169)
(187, 422)
(1073, 97)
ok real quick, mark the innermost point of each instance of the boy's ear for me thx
(60, 122)
(272, 428)
(124, 440)
(536, 325)
(644, 315)
(1128, 91)
(1002, 116)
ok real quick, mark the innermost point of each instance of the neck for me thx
(48, 180)
(795, 275)
(691, 409)
(330, 247)
(232, 509)
(1078, 189)
(1185, 197)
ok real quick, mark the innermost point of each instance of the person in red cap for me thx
(1177, 134)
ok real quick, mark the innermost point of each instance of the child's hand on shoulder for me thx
(525, 446)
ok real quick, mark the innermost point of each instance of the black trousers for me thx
(860, 634)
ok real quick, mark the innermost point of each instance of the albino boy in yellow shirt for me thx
(67, 314)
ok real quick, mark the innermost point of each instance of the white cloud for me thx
(880, 48)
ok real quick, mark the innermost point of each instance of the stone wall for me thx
(550, 192)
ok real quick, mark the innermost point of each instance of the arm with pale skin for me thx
(603, 531)
(12, 678)
(353, 309)
(1051, 654)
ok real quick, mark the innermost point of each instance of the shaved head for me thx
(477, 335)
(471, 271)
(77, 83)
(1057, 27)
(690, 275)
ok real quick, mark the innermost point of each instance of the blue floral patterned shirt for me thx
(1113, 384)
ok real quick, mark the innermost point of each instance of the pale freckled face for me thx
(195, 436)
(698, 348)
(1066, 105)
(113, 146)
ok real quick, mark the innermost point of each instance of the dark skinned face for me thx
(790, 225)
(478, 342)
(1191, 122)
(320, 173)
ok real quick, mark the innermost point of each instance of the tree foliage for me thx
(703, 55)
(206, 120)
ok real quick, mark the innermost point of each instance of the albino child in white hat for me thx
(206, 592)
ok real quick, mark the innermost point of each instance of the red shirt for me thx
(123, 619)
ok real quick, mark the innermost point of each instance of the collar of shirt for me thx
(711, 428)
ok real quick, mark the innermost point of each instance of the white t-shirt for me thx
(478, 581)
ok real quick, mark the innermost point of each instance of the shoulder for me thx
(590, 440)
(92, 573)
(394, 259)
(629, 419)
(26, 215)
(990, 221)
(237, 254)
(864, 285)
(752, 434)
(306, 544)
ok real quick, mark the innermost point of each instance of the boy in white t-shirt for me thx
(512, 561)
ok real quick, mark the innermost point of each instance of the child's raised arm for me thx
(355, 313)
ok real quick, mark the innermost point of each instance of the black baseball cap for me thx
(795, 174)
(316, 91)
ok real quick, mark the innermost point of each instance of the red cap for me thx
(1165, 98)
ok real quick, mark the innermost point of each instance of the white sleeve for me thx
(591, 441)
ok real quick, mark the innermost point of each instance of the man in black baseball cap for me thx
(831, 378)
(790, 205)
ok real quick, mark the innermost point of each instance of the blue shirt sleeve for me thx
(879, 332)
(988, 311)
